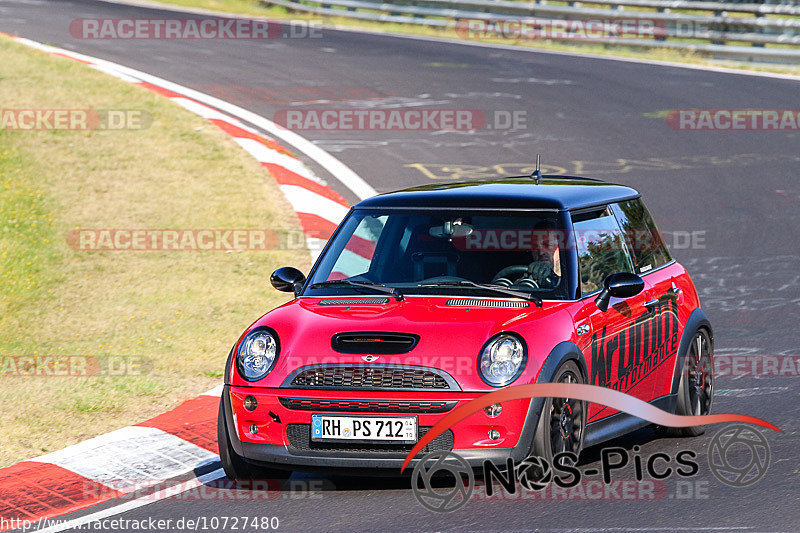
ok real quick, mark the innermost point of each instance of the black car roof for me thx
(551, 192)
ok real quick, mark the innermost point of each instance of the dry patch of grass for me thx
(176, 313)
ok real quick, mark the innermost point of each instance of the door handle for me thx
(651, 304)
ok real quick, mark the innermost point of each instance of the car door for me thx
(615, 349)
(652, 262)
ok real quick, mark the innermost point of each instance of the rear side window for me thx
(641, 236)
(601, 248)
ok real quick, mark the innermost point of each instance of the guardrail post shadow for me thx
(759, 45)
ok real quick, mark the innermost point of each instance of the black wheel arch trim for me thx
(697, 319)
(563, 352)
(226, 378)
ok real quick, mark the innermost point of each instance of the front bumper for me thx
(283, 437)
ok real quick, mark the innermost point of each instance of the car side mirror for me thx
(287, 279)
(619, 285)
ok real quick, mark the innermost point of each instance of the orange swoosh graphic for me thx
(590, 393)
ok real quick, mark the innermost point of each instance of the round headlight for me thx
(257, 354)
(502, 360)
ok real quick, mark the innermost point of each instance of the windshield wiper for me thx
(379, 287)
(494, 288)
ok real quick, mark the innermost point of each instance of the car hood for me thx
(450, 336)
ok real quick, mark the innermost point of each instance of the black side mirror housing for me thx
(619, 285)
(287, 279)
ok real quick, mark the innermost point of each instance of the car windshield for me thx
(418, 252)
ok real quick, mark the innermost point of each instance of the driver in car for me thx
(543, 272)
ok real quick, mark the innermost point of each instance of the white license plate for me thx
(334, 428)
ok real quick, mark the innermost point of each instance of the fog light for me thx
(494, 410)
(250, 403)
(254, 429)
(494, 434)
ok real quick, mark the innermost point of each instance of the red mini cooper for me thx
(429, 297)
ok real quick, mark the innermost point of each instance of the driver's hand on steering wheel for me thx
(542, 273)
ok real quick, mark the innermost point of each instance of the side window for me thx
(641, 235)
(601, 248)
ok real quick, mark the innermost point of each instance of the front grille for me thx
(354, 301)
(368, 342)
(371, 377)
(365, 406)
(462, 302)
(299, 436)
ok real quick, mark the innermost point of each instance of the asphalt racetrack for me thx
(729, 203)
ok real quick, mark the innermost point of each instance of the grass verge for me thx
(174, 314)
(257, 8)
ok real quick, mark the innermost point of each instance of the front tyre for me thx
(696, 388)
(563, 421)
(241, 473)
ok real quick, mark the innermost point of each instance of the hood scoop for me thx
(463, 302)
(374, 343)
(354, 301)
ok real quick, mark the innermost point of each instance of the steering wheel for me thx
(506, 275)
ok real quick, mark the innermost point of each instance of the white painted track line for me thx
(336, 168)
